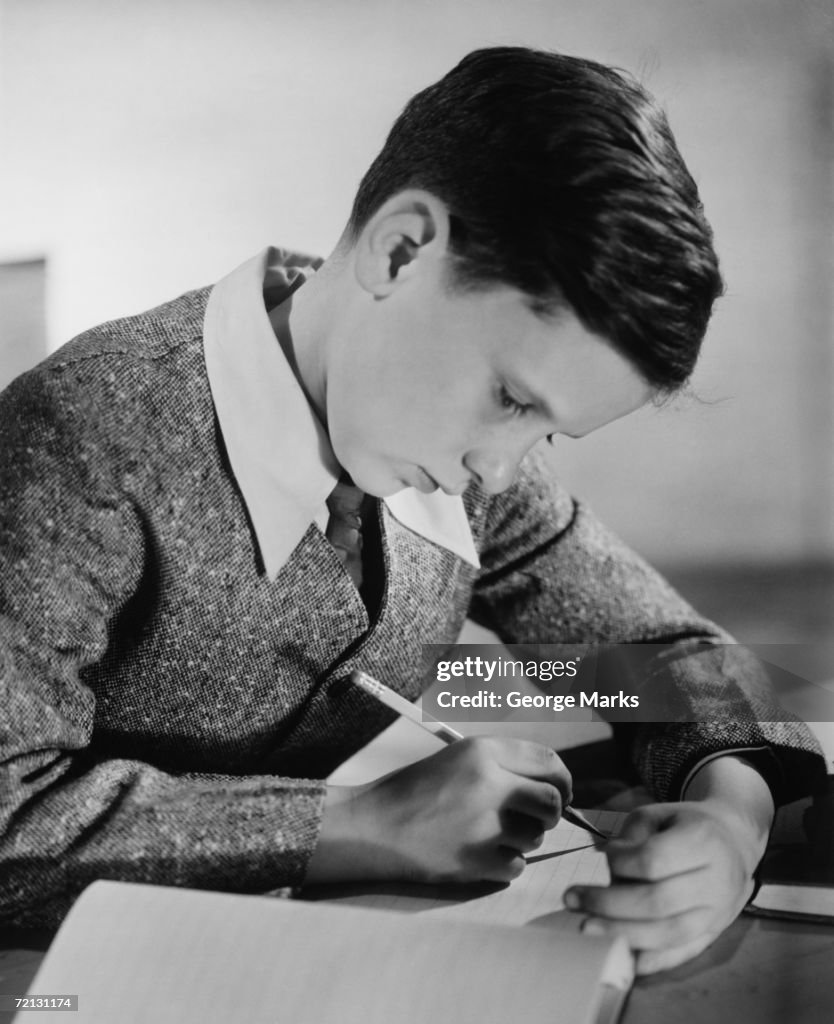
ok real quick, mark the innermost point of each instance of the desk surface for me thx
(759, 970)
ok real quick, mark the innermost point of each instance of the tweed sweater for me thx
(169, 713)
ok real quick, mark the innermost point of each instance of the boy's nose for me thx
(493, 470)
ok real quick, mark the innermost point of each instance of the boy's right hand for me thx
(468, 813)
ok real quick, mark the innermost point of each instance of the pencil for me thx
(403, 707)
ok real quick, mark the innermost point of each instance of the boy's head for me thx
(562, 180)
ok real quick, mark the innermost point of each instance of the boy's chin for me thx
(376, 484)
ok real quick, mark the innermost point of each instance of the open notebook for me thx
(139, 954)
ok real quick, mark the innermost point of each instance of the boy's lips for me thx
(427, 484)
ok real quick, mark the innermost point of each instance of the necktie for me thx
(344, 528)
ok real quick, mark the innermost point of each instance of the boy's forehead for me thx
(578, 379)
(544, 354)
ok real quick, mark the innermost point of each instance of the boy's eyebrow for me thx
(541, 403)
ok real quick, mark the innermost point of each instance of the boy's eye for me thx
(509, 402)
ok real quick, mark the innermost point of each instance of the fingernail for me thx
(592, 927)
(572, 900)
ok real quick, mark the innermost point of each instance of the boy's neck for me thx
(301, 325)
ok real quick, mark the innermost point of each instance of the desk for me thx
(758, 970)
(761, 970)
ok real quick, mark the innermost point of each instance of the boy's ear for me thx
(406, 234)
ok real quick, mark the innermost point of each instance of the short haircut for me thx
(562, 179)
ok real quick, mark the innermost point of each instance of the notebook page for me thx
(136, 953)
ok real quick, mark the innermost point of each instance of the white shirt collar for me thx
(279, 452)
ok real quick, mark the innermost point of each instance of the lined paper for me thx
(136, 953)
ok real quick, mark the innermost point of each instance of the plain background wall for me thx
(148, 147)
(22, 309)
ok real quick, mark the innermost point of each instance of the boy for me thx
(214, 511)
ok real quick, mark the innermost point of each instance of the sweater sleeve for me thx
(72, 552)
(552, 573)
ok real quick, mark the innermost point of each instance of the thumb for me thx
(644, 822)
(641, 851)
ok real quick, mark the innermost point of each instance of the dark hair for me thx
(562, 179)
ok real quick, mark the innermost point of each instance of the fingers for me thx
(533, 761)
(498, 864)
(467, 813)
(656, 843)
(521, 787)
(665, 943)
(678, 879)
(537, 800)
(654, 934)
(662, 927)
(636, 901)
(536, 782)
(520, 832)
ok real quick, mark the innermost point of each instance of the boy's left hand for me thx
(681, 872)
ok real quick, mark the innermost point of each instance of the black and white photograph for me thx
(417, 511)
